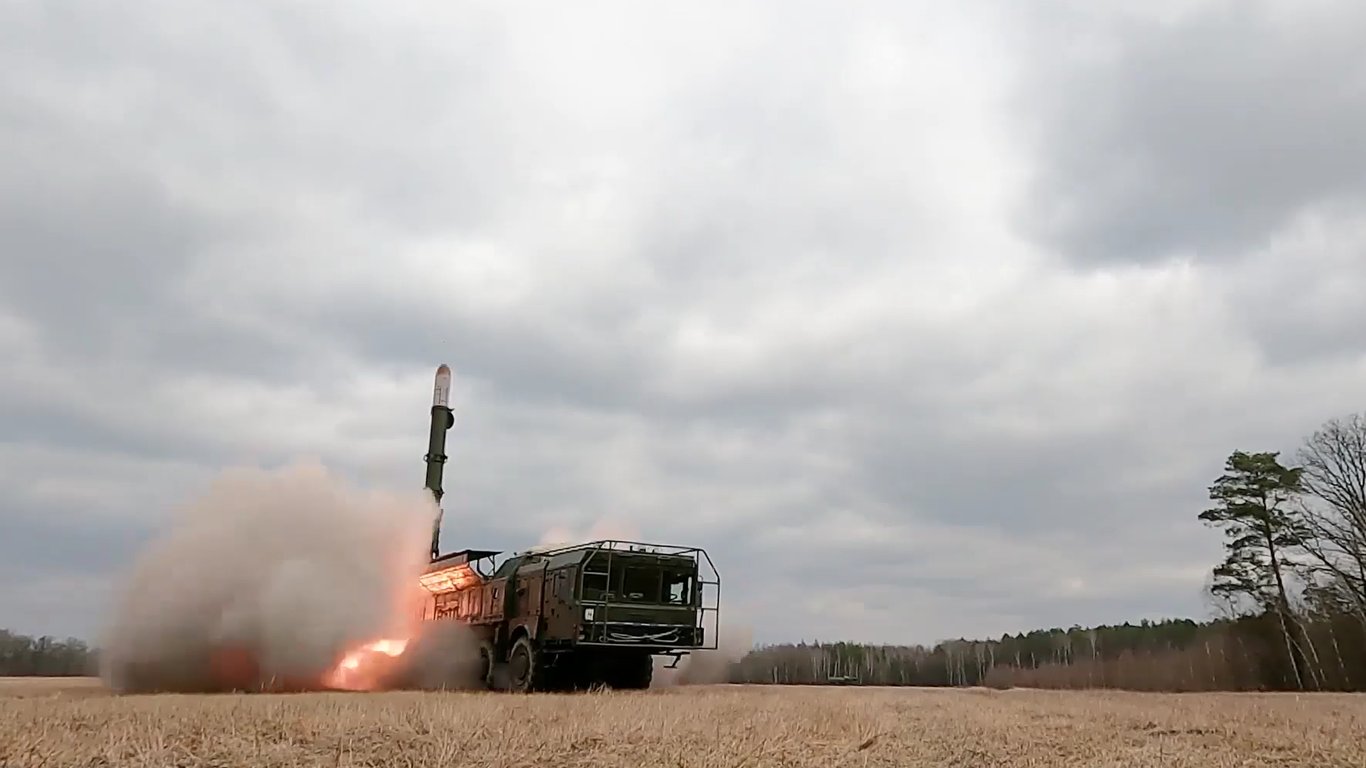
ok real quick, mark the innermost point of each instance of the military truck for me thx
(568, 617)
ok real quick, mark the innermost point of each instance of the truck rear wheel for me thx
(486, 661)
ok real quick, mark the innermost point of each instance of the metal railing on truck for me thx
(709, 578)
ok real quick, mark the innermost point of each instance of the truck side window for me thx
(677, 589)
(594, 586)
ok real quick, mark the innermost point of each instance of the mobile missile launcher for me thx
(570, 617)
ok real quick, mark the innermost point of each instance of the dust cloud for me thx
(710, 666)
(265, 581)
(442, 656)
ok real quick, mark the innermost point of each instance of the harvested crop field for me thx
(74, 722)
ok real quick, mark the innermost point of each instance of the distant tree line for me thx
(21, 655)
(1291, 592)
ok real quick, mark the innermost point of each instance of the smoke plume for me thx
(265, 582)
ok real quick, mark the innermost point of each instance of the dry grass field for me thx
(66, 722)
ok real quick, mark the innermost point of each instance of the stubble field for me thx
(75, 722)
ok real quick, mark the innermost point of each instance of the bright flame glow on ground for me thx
(363, 668)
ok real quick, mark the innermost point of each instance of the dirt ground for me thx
(75, 722)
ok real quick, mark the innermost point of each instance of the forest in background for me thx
(1291, 592)
(23, 656)
(1173, 655)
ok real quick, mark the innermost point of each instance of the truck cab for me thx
(578, 616)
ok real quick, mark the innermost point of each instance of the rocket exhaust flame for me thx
(364, 668)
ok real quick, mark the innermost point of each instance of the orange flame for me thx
(361, 669)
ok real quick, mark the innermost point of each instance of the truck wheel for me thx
(486, 660)
(633, 672)
(522, 666)
(645, 672)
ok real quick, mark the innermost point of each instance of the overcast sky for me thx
(927, 320)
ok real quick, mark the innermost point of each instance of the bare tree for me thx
(1333, 461)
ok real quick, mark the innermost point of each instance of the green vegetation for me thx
(21, 656)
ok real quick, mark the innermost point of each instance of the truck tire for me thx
(633, 672)
(487, 658)
(523, 666)
(645, 674)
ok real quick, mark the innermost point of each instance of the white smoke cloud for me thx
(269, 576)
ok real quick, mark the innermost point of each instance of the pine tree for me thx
(1251, 505)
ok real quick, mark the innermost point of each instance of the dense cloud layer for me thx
(1200, 135)
(925, 321)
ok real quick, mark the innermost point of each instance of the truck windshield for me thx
(650, 583)
(640, 584)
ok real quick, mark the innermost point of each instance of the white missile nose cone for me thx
(441, 395)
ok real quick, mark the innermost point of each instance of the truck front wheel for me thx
(632, 672)
(523, 666)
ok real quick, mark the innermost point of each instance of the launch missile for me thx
(442, 420)
(441, 395)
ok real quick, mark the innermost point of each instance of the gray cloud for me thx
(1199, 134)
(758, 285)
(82, 551)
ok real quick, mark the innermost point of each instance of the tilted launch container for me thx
(569, 617)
